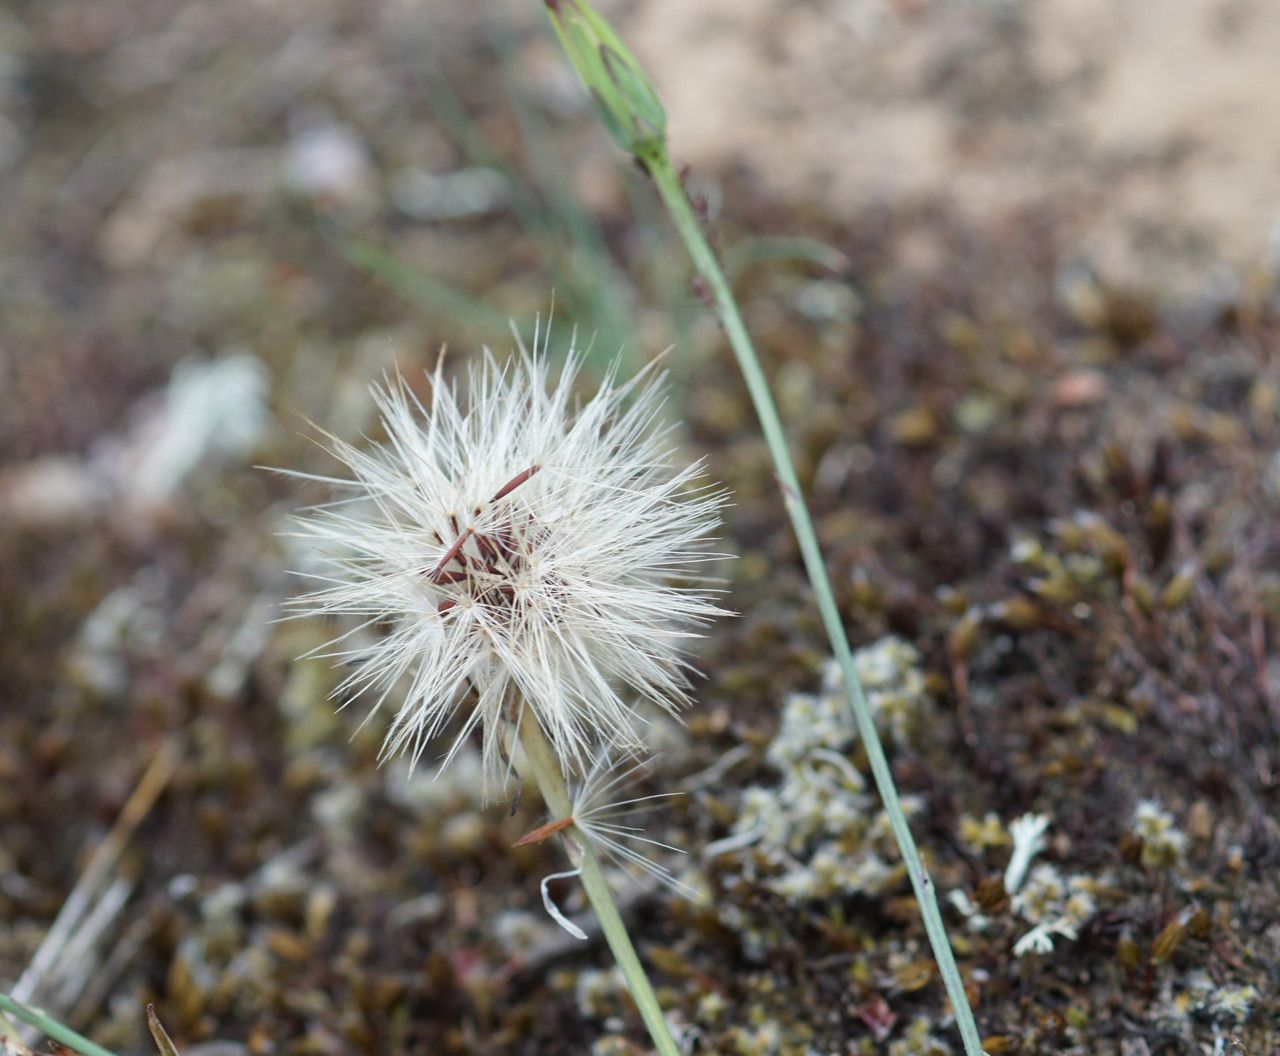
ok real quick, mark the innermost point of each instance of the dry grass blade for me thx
(163, 1042)
(62, 962)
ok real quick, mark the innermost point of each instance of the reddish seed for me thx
(450, 554)
(514, 483)
(542, 832)
(487, 550)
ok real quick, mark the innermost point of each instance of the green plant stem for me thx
(657, 160)
(546, 772)
(52, 1028)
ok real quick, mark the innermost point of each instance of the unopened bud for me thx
(626, 100)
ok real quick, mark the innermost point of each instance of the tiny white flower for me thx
(517, 549)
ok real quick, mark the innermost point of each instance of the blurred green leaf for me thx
(412, 284)
(763, 249)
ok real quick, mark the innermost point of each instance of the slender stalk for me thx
(52, 1028)
(657, 160)
(546, 772)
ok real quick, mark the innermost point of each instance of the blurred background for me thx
(1012, 268)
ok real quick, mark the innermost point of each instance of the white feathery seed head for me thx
(516, 548)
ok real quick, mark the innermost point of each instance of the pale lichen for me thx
(1163, 843)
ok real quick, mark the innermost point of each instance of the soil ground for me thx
(1009, 268)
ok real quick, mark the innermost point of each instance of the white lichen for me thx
(518, 931)
(893, 682)
(1055, 905)
(1027, 834)
(1163, 843)
(1227, 1004)
(598, 991)
(819, 832)
(919, 1040)
(1231, 1004)
(983, 834)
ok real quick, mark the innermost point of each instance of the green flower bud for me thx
(627, 102)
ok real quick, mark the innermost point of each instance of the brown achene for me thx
(490, 547)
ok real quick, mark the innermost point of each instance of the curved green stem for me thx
(657, 160)
(546, 772)
(52, 1028)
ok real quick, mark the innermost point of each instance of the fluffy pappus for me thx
(517, 548)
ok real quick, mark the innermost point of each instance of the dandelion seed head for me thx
(516, 548)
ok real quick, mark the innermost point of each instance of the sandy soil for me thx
(1147, 126)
